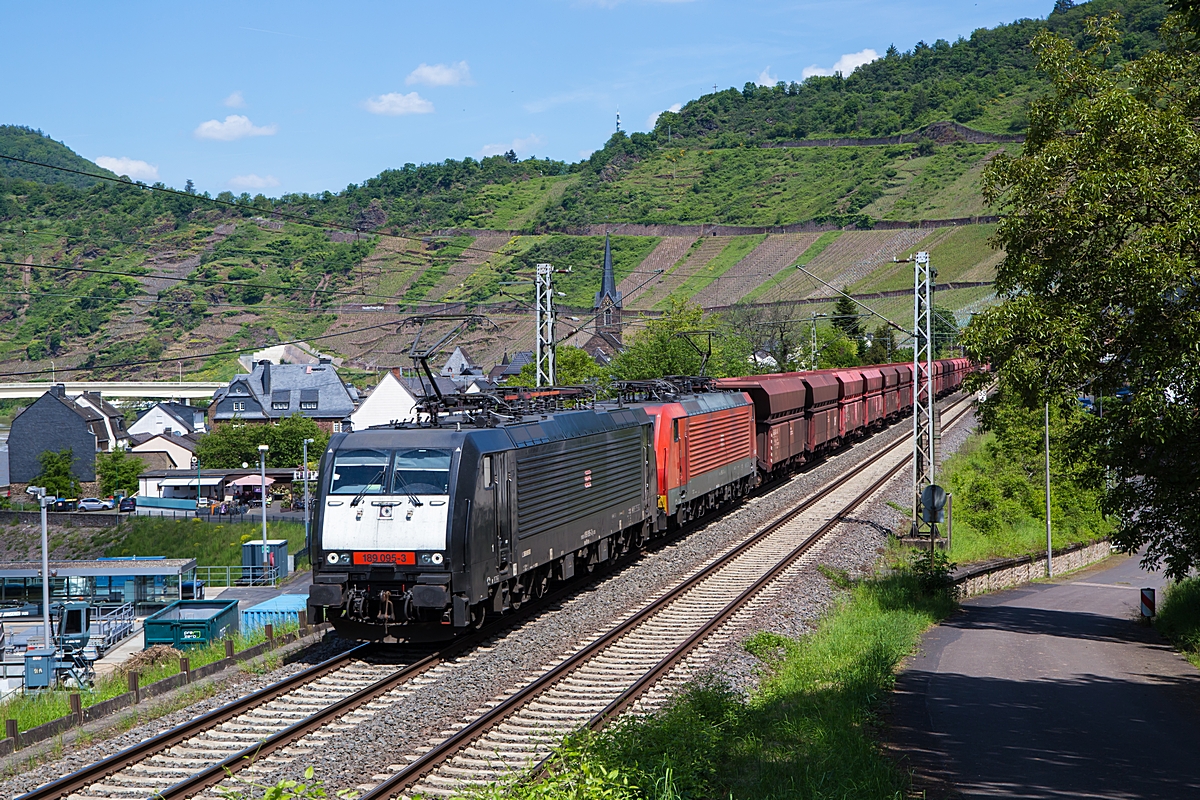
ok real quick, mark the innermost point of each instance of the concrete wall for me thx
(1005, 573)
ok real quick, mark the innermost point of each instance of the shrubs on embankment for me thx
(806, 731)
(1179, 617)
(998, 482)
(211, 544)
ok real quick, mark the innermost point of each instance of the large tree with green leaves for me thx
(572, 367)
(230, 445)
(1101, 275)
(56, 475)
(118, 472)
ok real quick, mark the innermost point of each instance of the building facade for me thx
(53, 423)
(272, 392)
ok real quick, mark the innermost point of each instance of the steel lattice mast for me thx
(544, 312)
(925, 421)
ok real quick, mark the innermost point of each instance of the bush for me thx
(1179, 617)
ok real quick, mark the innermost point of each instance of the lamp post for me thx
(40, 493)
(1049, 548)
(196, 464)
(262, 465)
(307, 442)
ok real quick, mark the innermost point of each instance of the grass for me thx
(999, 502)
(210, 544)
(737, 249)
(807, 731)
(32, 710)
(1179, 617)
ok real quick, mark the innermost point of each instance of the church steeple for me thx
(608, 284)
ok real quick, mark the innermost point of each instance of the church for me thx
(600, 337)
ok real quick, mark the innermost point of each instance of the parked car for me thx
(95, 504)
(127, 504)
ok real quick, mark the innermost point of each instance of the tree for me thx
(658, 350)
(836, 349)
(572, 365)
(118, 472)
(883, 346)
(56, 475)
(845, 317)
(1101, 233)
(779, 331)
(227, 446)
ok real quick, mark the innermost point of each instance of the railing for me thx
(238, 576)
(110, 627)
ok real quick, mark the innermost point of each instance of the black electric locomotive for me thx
(421, 531)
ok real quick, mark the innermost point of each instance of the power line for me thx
(194, 356)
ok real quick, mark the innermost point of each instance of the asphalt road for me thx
(1051, 691)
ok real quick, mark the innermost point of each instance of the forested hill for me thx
(27, 143)
(983, 81)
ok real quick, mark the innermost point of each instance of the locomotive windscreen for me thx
(421, 472)
(356, 471)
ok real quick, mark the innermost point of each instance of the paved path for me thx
(1052, 691)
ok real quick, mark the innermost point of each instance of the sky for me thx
(278, 97)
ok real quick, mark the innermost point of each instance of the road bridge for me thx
(158, 390)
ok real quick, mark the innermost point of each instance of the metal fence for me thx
(238, 576)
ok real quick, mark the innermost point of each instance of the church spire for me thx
(608, 284)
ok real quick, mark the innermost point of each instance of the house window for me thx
(279, 406)
(308, 405)
(337, 427)
(239, 405)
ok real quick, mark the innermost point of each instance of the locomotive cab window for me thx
(356, 471)
(487, 472)
(423, 471)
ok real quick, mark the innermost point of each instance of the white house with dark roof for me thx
(170, 417)
(272, 392)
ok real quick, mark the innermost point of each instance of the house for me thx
(169, 417)
(106, 421)
(459, 365)
(54, 422)
(392, 400)
(508, 368)
(272, 392)
(163, 450)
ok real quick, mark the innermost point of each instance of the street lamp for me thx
(262, 465)
(40, 493)
(307, 442)
(196, 464)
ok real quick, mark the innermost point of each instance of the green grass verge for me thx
(999, 502)
(32, 710)
(806, 732)
(738, 248)
(211, 544)
(1179, 617)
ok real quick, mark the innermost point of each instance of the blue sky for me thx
(302, 97)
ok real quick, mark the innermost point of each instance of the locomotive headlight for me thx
(332, 558)
(436, 558)
(337, 558)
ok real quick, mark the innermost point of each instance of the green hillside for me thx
(144, 274)
(22, 142)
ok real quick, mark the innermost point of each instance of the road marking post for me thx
(1147, 603)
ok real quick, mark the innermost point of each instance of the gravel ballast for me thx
(350, 754)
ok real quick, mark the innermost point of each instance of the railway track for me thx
(605, 677)
(594, 684)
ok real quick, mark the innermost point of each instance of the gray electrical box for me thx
(39, 669)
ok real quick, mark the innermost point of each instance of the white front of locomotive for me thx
(387, 506)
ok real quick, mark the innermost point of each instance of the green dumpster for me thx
(192, 623)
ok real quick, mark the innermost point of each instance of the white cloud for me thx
(519, 146)
(652, 120)
(235, 100)
(138, 170)
(234, 127)
(395, 104)
(845, 65)
(765, 78)
(252, 181)
(456, 74)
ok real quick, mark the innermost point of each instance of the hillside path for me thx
(1052, 690)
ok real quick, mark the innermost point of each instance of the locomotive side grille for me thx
(561, 482)
(714, 441)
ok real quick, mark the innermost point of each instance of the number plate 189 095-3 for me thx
(385, 557)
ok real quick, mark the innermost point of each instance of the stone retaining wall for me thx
(1005, 573)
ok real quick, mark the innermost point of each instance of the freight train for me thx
(423, 529)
